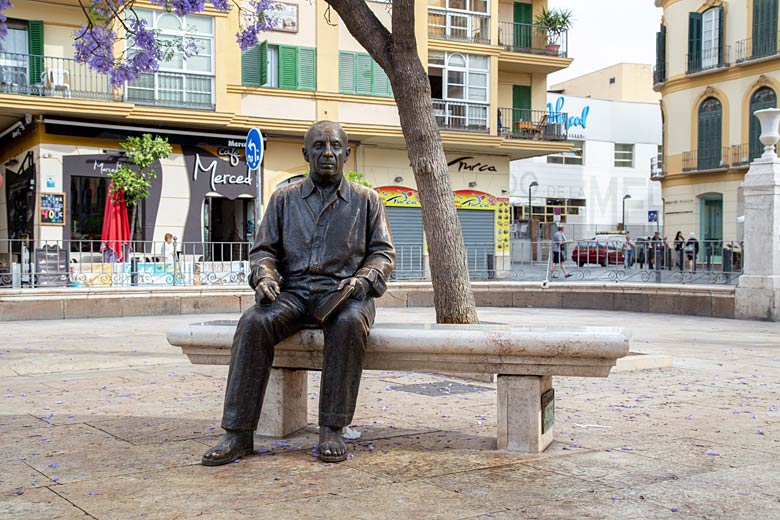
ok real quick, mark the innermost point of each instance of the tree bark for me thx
(396, 53)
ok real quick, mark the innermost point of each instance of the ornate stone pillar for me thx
(758, 290)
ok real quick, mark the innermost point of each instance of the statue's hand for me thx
(360, 284)
(268, 288)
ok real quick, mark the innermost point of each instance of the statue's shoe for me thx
(232, 446)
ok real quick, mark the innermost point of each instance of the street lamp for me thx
(532, 185)
(626, 196)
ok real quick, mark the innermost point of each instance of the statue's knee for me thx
(351, 317)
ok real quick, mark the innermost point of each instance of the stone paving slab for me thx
(102, 419)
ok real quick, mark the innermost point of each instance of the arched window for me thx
(762, 98)
(710, 142)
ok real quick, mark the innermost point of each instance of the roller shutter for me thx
(479, 235)
(407, 228)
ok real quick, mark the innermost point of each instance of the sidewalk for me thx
(103, 419)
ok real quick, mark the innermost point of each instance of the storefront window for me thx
(87, 203)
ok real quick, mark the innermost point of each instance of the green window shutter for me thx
(660, 54)
(347, 72)
(307, 68)
(694, 42)
(764, 28)
(381, 81)
(521, 103)
(363, 74)
(288, 67)
(721, 44)
(263, 63)
(250, 67)
(35, 45)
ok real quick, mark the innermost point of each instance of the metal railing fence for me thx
(77, 263)
(464, 26)
(461, 115)
(756, 48)
(605, 260)
(532, 39)
(707, 59)
(706, 159)
(35, 75)
(521, 123)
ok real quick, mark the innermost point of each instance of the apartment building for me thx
(717, 63)
(61, 123)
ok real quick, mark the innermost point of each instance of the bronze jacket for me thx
(349, 237)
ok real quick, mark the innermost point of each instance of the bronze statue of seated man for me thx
(322, 254)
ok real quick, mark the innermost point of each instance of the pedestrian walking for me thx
(641, 252)
(628, 252)
(692, 251)
(559, 242)
(679, 245)
(656, 251)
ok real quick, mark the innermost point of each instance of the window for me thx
(22, 60)
(710, 135)
(762, 98)
(572, 157)
(279, 66)
(179, 81)
(705, 34)
(466, 20)
(659, 74)
(624, 155)
(764, 28)
(360, 74)
(459, 87)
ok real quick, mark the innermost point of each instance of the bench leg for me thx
(520, 413)
(285, 407)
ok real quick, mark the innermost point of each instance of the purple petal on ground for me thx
(674, 509)
(54, 465)
(712, 453)
(760, 431)
(350, 456)
(92, 493)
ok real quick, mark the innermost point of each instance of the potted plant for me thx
(553, 23)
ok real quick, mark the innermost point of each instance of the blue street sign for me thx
(652, 216)
(254, 148)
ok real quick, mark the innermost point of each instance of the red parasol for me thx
(116, 228)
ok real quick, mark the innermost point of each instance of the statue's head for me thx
(326, 149)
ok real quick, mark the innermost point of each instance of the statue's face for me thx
(326, 150)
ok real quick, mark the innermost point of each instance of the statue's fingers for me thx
(268, 292)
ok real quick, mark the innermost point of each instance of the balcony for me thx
(461, 115)
(659, 73)
(531, 39)
(656, 168)
(758, 48)
(535, 125)
(462, 26)
(172, 89)
(706, 159)
(707, 60)
(35, 75)
(51, 76)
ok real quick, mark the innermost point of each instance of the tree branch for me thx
(366, 28)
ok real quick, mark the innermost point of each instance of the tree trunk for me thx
(132, 222)
(397, 54)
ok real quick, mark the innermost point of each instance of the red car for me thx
(594, 252)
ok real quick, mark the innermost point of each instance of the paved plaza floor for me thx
(103, 419)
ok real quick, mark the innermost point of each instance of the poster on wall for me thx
(52, 209)
(285, 17)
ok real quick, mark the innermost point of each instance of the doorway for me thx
(711, 227)
(228, 227)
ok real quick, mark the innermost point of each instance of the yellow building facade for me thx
(717, 62)
(61, 123)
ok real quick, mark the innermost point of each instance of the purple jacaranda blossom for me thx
(4, 6)
(54, 465)
(711, 453)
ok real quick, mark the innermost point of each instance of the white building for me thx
(615, 143)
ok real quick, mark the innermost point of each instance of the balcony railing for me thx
(519, 123)
(706, 159)
(740, 155)
(172, 89)
(35, 75)
(656, 168)
(757, 48)
(532, 39)
(446, 24)
(707, 59)
(461, 115)
(659, 73)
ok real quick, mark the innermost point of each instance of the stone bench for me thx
(524, 358)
